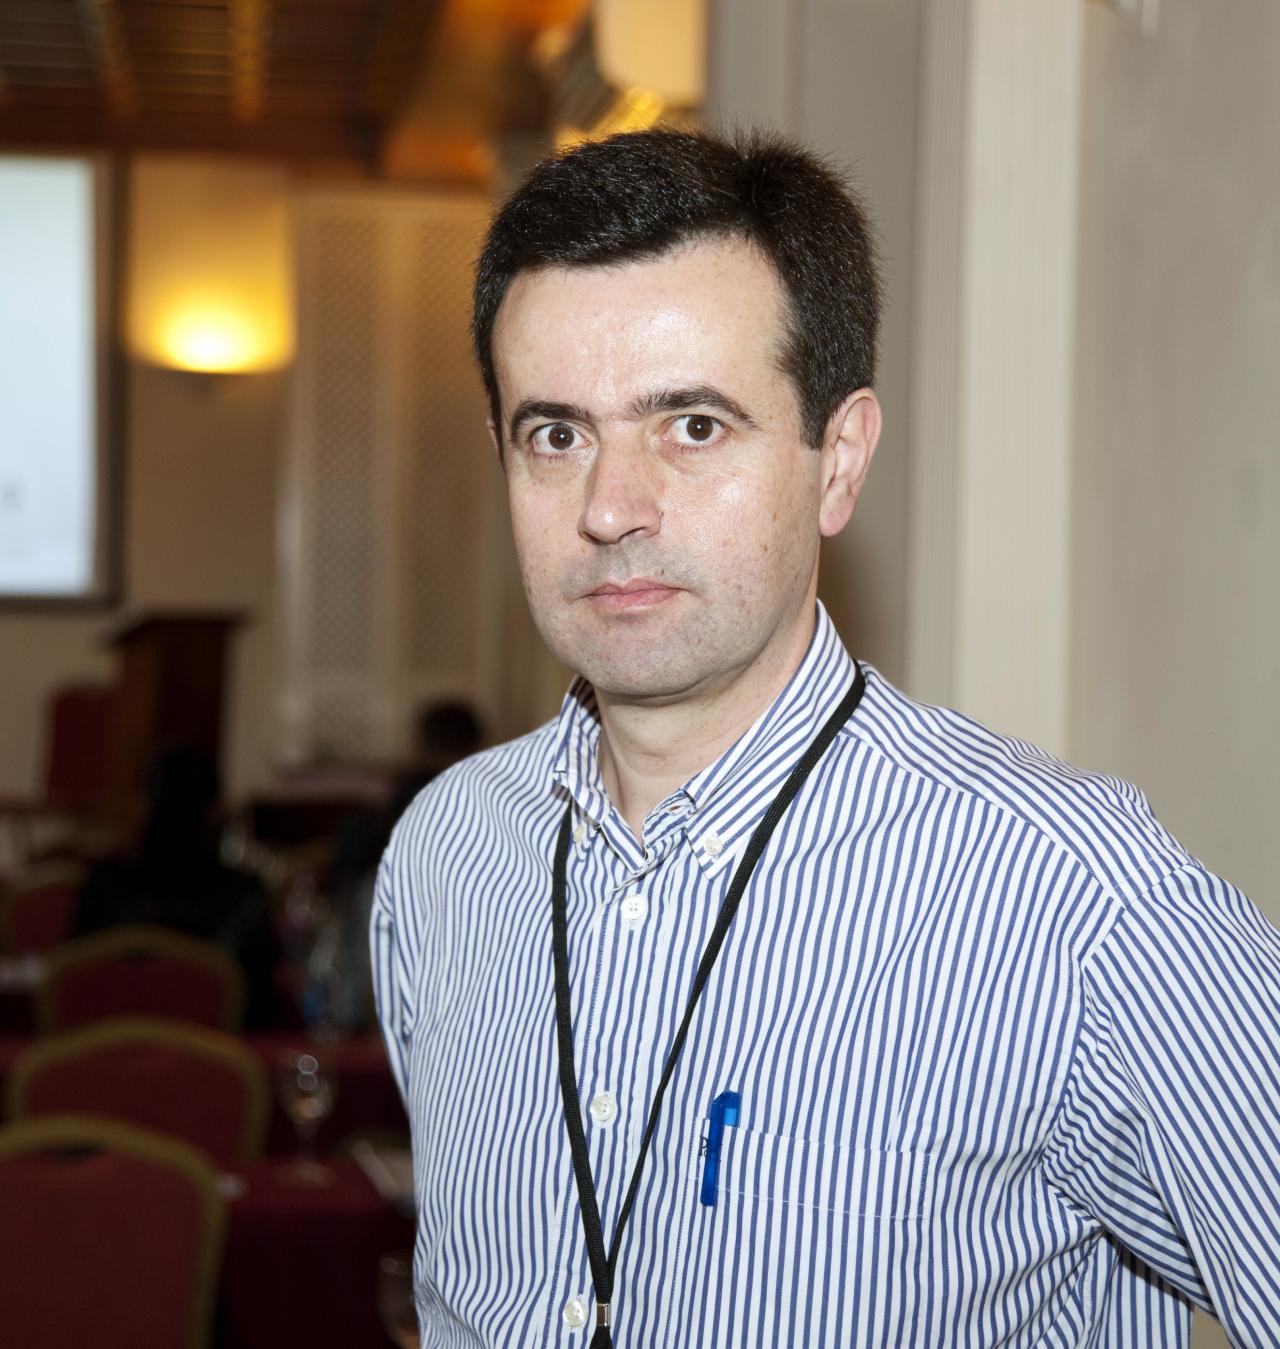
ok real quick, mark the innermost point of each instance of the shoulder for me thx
(1103, 824)
(495, 792)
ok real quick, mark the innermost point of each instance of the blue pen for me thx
(724, 1110)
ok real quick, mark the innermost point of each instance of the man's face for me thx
(665, 509)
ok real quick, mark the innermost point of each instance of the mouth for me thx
(627, 596)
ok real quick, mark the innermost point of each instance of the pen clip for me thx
(725, 1110)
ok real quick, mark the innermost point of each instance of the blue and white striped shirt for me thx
(1009, 1057)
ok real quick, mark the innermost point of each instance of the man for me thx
(981, 1056)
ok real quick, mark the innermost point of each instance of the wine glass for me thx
(395, 1298)
(306, 1095)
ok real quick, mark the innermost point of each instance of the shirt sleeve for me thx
(395, 949)
(1169, 1129)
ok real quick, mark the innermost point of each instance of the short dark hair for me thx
(640, 194)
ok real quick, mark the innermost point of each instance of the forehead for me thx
(711, 312)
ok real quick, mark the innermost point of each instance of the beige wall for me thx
(860, 103)
(202, 489)
(1176, 645)
(199, 519)
(1174, 538)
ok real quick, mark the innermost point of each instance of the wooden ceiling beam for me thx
(20, 13)
(250, 27)
(20, 66)
(50, 126)
(417, 88)
(396, 54)
(61, 37)
(104, 36)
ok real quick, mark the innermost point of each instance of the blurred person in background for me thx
(174, 877)
(751, 1002)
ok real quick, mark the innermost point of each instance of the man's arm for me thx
(1169, 1131)
(395, 938)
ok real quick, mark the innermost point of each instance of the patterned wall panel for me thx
(339, 724)
(389, 494)
(346, 254)
(447, 464)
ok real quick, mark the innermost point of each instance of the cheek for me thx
(537, 566)
(742, 521)
(531, 533)
(536, 509)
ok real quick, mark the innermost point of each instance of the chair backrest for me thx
(184, 1080)
(38, 909)
(77, 769)
(111, 1236)
(140, 970)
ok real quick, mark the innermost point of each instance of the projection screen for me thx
(56, 422)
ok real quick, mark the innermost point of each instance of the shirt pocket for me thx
(809, 1243)
(889, 1185)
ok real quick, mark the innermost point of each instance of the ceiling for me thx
(407, 88)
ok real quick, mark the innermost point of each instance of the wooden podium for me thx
(170, 691)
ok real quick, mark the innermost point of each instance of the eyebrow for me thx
(659, 400)
(533, 408)
(699, 395)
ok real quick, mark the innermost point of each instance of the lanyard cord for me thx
(604, 1266)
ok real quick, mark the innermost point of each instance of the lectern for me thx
(170, 691)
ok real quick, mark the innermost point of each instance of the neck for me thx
(648, 750)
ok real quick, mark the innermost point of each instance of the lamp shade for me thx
(210, 280)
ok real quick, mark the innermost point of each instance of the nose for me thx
(623, 495)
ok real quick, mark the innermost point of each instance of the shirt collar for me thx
(719, 806)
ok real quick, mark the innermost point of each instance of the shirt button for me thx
(575, 1313)
(580, 832)
(604, 1107)
(635, 909)
(711, 845)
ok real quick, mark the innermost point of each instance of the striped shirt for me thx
(1008, 1056)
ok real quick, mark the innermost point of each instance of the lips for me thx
(629, 587)
(641, 592)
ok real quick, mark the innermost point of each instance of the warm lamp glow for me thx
(213, 336)
(210, 280)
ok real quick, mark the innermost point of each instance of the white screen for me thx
(49, 417)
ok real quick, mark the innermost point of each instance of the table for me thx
(301, 1262)
(366, 1095)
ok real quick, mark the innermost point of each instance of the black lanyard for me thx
(604, 1266)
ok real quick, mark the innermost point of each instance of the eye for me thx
(555, 438)
(696, 428)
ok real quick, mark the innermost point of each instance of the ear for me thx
(847, 446)
(496, 443)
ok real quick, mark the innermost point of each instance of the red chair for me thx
(38, 910)
(78, 740)
(112, 1236)
(138, 970)
(184, 1080)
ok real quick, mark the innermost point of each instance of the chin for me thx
(656, 688)
(646, 675)
(643, 671)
